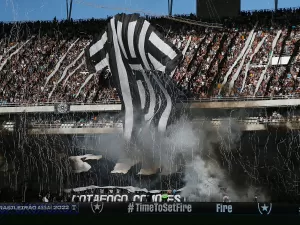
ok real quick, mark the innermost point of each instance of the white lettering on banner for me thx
(221, 208)
(159, 208)
(109, 198)
(89, 198)
(124, 198)
(171, 198)
(82, 198)
(19, 207)
(138, 198)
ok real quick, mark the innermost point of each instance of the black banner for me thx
(122, 194)
(190, 208)
(135, 208)
(126, 198)
(132, 208)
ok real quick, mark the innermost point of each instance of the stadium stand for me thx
(256, 54)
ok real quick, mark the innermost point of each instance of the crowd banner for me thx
(122, 194)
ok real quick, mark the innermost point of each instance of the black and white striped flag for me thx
(141, 62)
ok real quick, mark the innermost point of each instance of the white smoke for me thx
(205, 179)
(204, 150)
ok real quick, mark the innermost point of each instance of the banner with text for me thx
(123, 194)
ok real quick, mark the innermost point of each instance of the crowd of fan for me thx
(44, 61)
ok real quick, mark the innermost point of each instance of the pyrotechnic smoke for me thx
(208, 153)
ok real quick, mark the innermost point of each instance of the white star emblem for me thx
(97, 206)
(265, 208)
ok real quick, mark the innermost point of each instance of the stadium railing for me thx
(213, 99)
(229, 99)
(120, 125)
(4, 104)
(256, 120)
(76, 125)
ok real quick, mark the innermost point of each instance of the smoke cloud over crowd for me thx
(204, 154)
